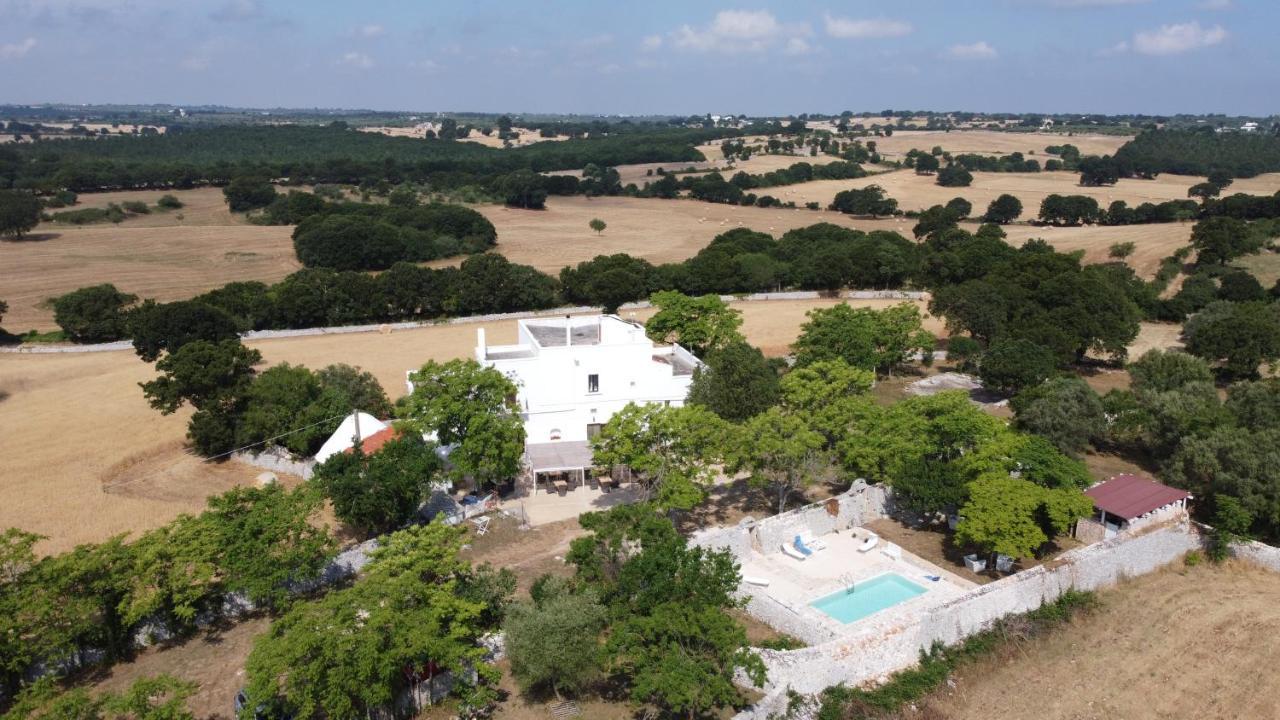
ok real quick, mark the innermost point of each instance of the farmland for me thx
(130, 472)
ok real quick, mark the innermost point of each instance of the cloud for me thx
(838, 27)
(733, 31)
(1179, 38)
(798, 46)
(371, 31)
(973, 51)
(13, 51)
(429, 67)
(651, 42)
(356, 60)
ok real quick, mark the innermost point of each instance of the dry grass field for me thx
(86, 458)
(1180, 643)
(917, 192)
(990, 142)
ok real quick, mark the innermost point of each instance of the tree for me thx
(783, 454)
(597, 224)
(355, 650)
(1232, 523)
(1121, 250)
(1232, 462)
(93, 314)
(864, 338)
(954, 175)
(1238, 336)
(961, 207)
(201, 373)
(379, 492)
(19, 212)
(926, 164)
(1015, 517)
(248, 193)
(471, 409)
(670, 450)
(554, 642)
(737, 382)
(1066, 411)
(1204, 190)
(524, 189)
(1160, 371)
(1003, 210)
(1069, 210)
(162, 697)
(699, 324)
(166, 327)
(1221, 239)
(1009, 365)
(1096, 171)
(354, 388)
(1241, 286)
(870, 200)
(809, 388)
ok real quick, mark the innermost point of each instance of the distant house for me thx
(1249, 127)
(574, 373)
(1128, 501)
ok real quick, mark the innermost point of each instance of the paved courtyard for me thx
(794, 584)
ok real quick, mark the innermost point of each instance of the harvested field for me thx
(166, 263)
(917, 192)
(656, 230)
(991, 142)
(1152, 243)
(201, 206)
(1180, 643)
(90, 458)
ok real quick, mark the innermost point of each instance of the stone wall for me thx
(878, 649)
(278, 460)
(1259, 554)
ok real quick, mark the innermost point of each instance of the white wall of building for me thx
(558, 396)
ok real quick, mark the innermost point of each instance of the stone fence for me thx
(277, 459)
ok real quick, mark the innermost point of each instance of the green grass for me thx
(936, 665)
(35, 336)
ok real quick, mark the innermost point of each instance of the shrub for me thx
(93, 314)
(169, 202)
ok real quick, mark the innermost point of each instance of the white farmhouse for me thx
(574, 373)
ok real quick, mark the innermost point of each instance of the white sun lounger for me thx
(813, 543)
(753, 580)
(790, 550)
(869, 544)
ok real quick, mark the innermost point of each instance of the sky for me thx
(654, 57)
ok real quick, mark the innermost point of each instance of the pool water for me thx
(868, 597)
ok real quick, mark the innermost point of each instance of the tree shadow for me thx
(34, 237)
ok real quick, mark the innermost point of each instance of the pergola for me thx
(559, 457)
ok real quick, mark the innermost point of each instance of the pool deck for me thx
(796, 583)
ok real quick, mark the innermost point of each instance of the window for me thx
(593, 429)
(593, 383)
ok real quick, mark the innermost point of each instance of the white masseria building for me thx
(574, 373)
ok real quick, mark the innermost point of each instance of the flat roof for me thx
(1130, 496)
(565, 455)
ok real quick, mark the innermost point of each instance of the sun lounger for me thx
(753, 580)
(799, 545)
(789, 550)
(892, 551)
(813, 543)
(869, 544)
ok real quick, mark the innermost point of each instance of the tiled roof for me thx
(1129, 496)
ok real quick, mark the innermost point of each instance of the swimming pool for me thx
(867, 597)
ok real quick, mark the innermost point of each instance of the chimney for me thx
(481, 351)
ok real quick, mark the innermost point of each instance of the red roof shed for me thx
(1129, 496)
(374, 442)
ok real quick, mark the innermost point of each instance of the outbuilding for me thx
(1128, 501)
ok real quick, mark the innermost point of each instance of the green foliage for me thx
(201, 373)
(1186, 152)
(345, 654)
(1235, 337)
(669, 449)
(1066, 411)
(870, 200)
(165, 327)
(864, 338)
(954, 175)
(817, 385)
(169, 202)
(162, 697)
(1219, 240)
(1010, 365)
(1160, 371)
(1231, 524)
(1069, 210)
(1121, 250)
(554, 642)
(19, 212)
(699, 324)
(93, 314)
(782, 452)
(355, 236)
(964, 352)
(597, 225)
(736, 384)
(248, 193)
(1003, 210)
(472, 408)
(607, 281)
(379, 492)
(1015, 517)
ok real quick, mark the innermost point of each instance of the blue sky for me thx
(607, 56)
